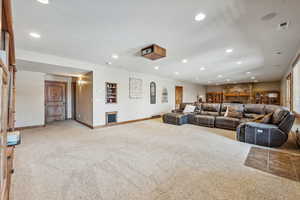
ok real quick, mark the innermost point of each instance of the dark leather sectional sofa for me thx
(273, 134)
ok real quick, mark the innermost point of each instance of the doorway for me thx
(289, 91)
(178, 96)
(55, 101)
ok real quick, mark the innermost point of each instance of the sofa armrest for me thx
(264, 134)
(287, 123)
(240, 132)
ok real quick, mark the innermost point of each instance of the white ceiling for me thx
(49, 69)
(94, 30)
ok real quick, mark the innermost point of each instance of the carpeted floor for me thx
(146, 160)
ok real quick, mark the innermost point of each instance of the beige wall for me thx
(30, 109)
(283, 80)
(267, 86)
(84, 99)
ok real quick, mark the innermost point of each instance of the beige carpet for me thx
(147, 160)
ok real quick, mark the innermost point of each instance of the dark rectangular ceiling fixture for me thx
(154, 52)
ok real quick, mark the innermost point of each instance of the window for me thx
(289, 91)
(296, 84)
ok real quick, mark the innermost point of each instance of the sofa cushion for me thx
(209, 113)
(279, 115)
(233, 112)
(271, 108)
(239, 107)
(204, 120)
(254, 109)
(227, 122)
(212, 107)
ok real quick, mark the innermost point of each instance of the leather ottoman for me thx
(175, 118)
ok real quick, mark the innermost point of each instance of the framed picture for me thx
(135, 88)
(164, 96)
(152, 93)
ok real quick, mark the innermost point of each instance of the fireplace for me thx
(111, 117)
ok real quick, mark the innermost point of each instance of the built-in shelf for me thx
(111, 93)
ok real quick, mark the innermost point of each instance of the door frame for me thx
(176, 86)
(289, 88)
(66, 98)
(73, 96)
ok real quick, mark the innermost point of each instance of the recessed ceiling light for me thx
(248, 72)
(229, 50)
(35, 35)
(220, 76)
(156, 67)
(176, 73)
(199, 17)
(253, 77)
(202, 68)
(115, 56)
(239, 62)
(184, 61)
(43, 1)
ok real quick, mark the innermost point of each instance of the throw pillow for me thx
(232, 112)
(189, 109)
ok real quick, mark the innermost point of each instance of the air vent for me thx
(283, 26)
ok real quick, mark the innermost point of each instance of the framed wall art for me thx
(152, 93)
(135, 88)
(164, 97)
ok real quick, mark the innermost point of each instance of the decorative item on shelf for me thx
(152, 93)
(267, 97)
(164, 98)
(111, 93)
(214, 97)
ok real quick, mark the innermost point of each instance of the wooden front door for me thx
(55, 101)
(178, 95)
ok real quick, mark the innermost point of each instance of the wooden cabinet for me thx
(267, 97)
(214, 97)
(111, 92)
